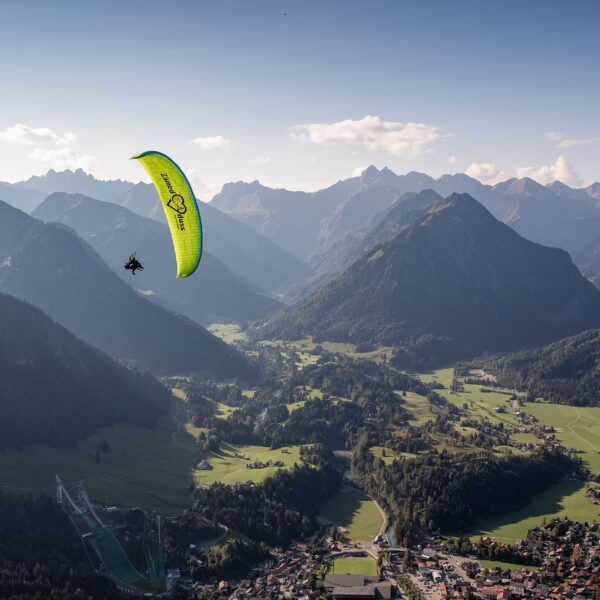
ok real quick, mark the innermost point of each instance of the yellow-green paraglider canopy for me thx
(181, 210)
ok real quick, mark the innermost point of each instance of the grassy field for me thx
(492, 564)
(228, 332)
(307, 345)
(482, 404)
(223, 410)
(443, 376)
(292, 406)
(229, 464)
(419, 407)
(565, 499)
(150, 468)
(390, 456)
(355, 512)
(314, 393)
(579, 427)
(364, 565)
(576, 427)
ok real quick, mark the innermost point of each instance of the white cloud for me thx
(564, 142)
(202, 190)
(35, 136)
(400, 139)
(568, 143)
(212, 142)
(57, 149)
(452, 159)
(358, 171)
(553, 136)
(485, 172)
(64, 157)
(260, 160)
(560, 170)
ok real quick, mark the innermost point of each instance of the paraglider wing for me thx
(180, 208)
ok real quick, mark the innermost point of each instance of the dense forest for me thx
(41, 555)
(566, 372)
(184, 532)
(56, 389)
(276, 511)
(441, 491)
(352, 395)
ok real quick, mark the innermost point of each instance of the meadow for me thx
(566, 499)
(355, 512)
(390, 455)
(150, 468)
(576, 427)
(228, 332)
(419, 407)
(229, 463)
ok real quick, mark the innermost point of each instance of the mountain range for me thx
(554, 215)
(274, 238)
(214, 294)
(454, 283)
(51, 267)
(244, 252)
(56, 389)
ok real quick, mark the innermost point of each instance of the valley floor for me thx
(150, 468)
(574, 427)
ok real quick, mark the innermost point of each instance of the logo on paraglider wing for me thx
(177, 203)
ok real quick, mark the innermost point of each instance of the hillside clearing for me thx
(355, 512)
(228, 332)
(229, 463)
(150, 468)
(566, 499)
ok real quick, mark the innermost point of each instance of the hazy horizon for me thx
(300, 95)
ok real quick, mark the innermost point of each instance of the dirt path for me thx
(577, 434)
(384, 525)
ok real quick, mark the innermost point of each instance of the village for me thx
(564, 559)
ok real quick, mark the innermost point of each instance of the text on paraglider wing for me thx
(176, 203)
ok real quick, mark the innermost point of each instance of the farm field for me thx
(150, 468)
(228, 332)
(355, 512)
(229, 464)
(345, 565)
(564, 499)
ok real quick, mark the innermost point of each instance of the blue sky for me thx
(496, 89)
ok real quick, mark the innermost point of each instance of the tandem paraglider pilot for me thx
(133, 264)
